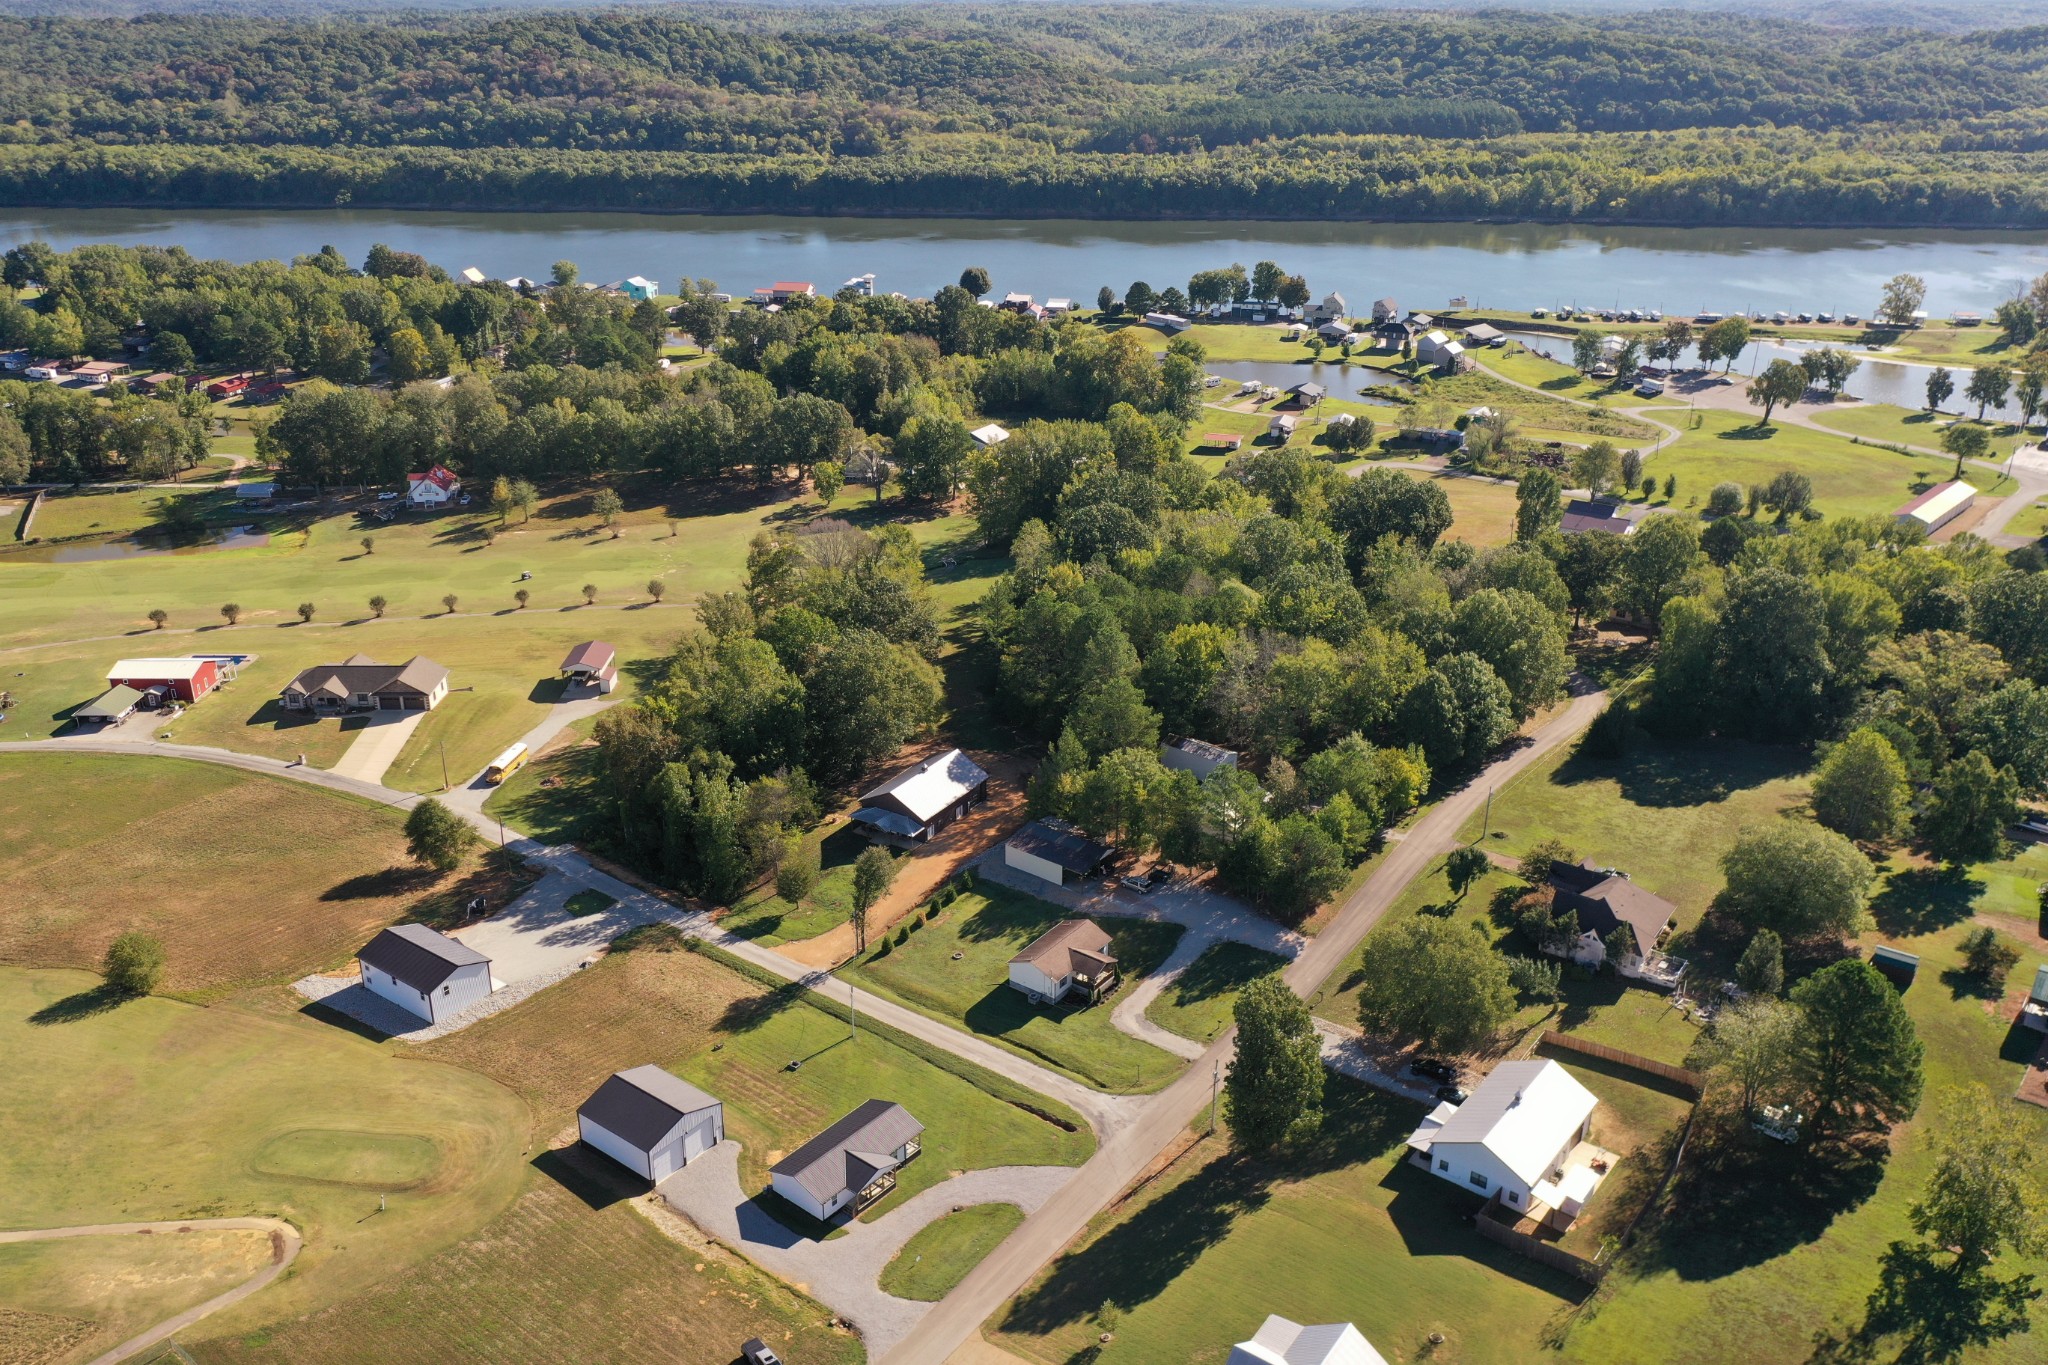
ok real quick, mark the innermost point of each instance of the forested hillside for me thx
(1038, 111)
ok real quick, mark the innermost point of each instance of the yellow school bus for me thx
(506, 764)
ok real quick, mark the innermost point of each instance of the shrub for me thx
(1725, 500)
(1987, 956)
(134, 963)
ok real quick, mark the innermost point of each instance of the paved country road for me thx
(1124, 1154)
(284, 1247)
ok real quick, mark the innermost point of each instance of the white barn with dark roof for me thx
(423, 972)
(851, 1164)
(650, 1122)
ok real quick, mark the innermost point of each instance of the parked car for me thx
(1451, 1093)
(759, 1352)
(1434, 1069)
(2035, 822)
(387, 497)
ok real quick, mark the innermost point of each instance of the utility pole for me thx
(1486, 824)
(1215, 1093)
(444, 765)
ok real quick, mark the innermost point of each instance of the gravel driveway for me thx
(841, 1273)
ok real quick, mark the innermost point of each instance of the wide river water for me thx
(1422, 265)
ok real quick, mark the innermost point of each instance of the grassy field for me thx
(1343, 1231)
(72, 514)
(941, 1253)
(1902, 426)
(553, 798)
(1849, 480)
(96, 1292)
(1665, 814)
(245, 1111)
(571, 1271)
(765, 917)
(729, 1034)
(207, 845)
(1541, 410)
(1482, 513)
(1198, 1004)
(955, 968)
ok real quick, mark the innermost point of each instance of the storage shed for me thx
(188, 678)
(1054, 851)
(425, 972)
(650, 1122)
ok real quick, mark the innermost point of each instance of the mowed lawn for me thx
(244, 879)
(68, 1301)
(941, 1253)
(1482, 512)
(1198, 1004)
(659, 1003)
(1903, 426)
(956, 968)
(1664, 814)
(168, 1110)
(317, 556)
(1344, 1231)
(761, 915)
(1849, 480)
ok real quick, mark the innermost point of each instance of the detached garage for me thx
(650, 1122)
(424, 972)
(1054, 851)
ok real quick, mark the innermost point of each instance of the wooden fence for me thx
(1677, 1075)
(1535, 1249)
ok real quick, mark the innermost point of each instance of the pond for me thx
(237, 538)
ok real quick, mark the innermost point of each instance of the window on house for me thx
(1442, 1165)
(1514, 1198)
(1478, 1180)
(444, 990)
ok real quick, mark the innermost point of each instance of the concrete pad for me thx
(378, 744)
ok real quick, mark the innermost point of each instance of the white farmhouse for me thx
(425, 973)
(435, 488)
(1071, 958)
(851, 1164)
(1281, 1342)
(1438, 350)
(650, 1122)
(1520, 1139)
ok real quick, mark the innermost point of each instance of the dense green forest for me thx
(1038, 110)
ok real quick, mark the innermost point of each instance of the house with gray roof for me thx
(1072, 958)
(360, 683)
(1280, 1341)
(851, 1164)
(650, 1122)
(425, 972)
(1054, 851)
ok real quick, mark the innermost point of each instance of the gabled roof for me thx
(1938, 501)
(417, 955)
(419, 676)
(182, 666)
(1584, 514)
(440, 476)
(932, 785)
(112, 704)
(644, 1105)
(851, 1152)
(1604, 899)
(1281, 1342)
(594, 654)
(1523, 1113)
(1063, 846)
(1072, 945)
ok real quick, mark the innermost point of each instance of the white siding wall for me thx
(796, 1194)
(398, 993)
(1464, 1158)
(466, 987)
(614, 1146)
(1042, 868)
(1027, 977)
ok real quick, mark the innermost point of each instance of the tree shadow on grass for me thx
(1740, 1200)
(1670, 775)
(1923, 899)
(1748, 432)
(397, 880)
(1925, 1311)
(85, 1004)
(744, 1016)
(1964, 984)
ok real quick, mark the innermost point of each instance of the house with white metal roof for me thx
(1520, 1139)
(1281, 1342)
(922, 800)
(990, 435)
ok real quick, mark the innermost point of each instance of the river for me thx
(1423, 265)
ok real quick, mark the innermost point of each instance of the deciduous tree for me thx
(1858, 1051)
(1796, 879)
(134, 963)
(1436, 981)
(437, 836)
(1862, 789)
(1274, 1088)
